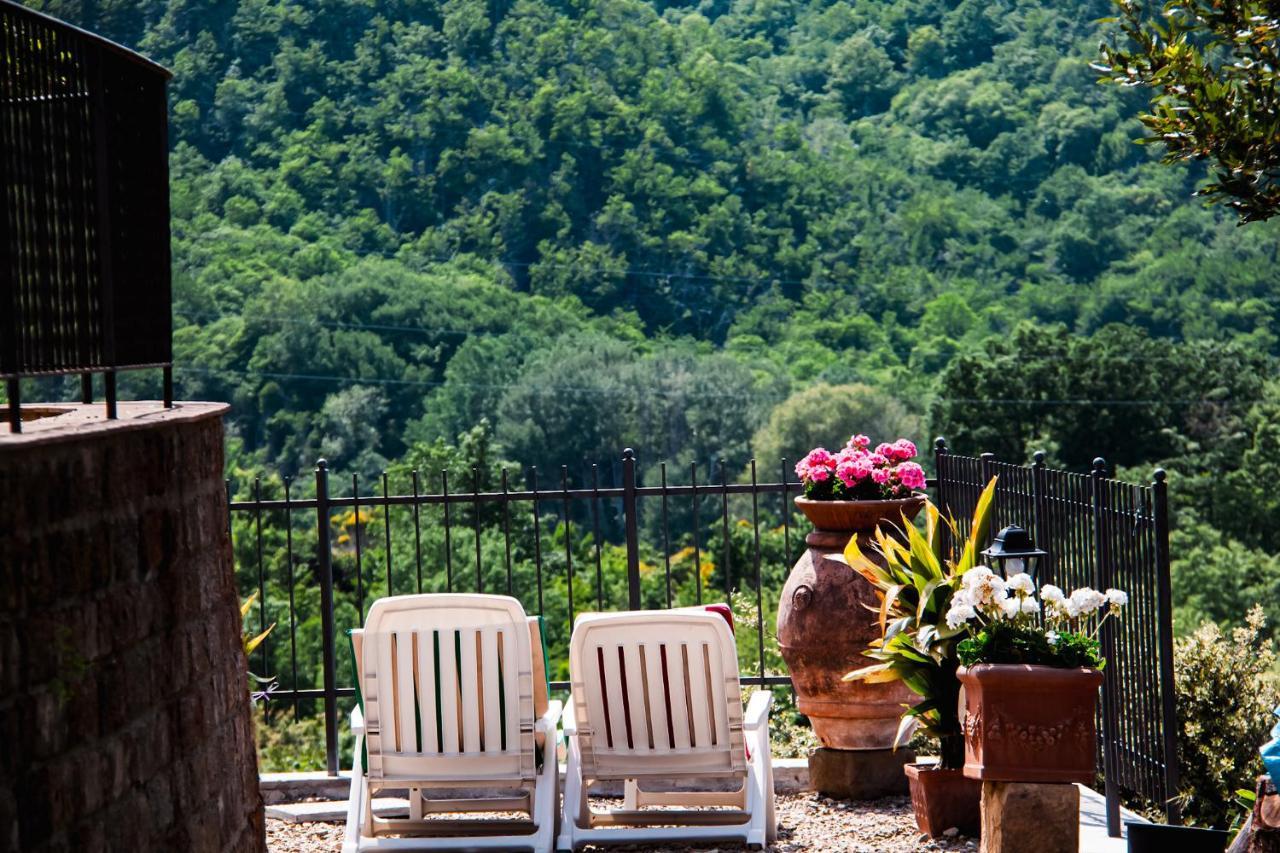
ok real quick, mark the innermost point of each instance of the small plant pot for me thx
(1158, 838)
(943, 799)
(1028, 723)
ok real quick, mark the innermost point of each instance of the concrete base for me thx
(861, 774)
(1022, 816)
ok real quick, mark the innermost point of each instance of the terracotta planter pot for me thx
(942, 799)
(824, 627)
(1030, 723)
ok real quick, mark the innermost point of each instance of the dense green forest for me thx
(505, 233)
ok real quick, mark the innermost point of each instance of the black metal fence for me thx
(84, 216)
(1100, 532)
(319, 552)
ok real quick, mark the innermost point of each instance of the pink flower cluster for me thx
(856, 471)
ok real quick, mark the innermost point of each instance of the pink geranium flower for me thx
(910, 475)
(859, 442)
(903, 450)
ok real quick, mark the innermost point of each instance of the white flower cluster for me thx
(985, 596)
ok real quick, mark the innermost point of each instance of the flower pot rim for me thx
(801, 500)
(1024, 670)
(915, 768)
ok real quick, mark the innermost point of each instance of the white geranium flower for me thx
(977, 575)
(1086, 600)
(1021, 583)
(1052, 594)
(959, 613)
(1117, 597)
(1052, 637)
(1030, 605)
(1011, 607)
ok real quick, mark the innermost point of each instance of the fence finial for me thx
(1100, 465)
(940, 445)
(1160, 475)
(1038, 457)
(628, 453)
(322, 464)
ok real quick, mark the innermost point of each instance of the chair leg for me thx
(415, 804)
(631, 795)
(355, 803)
(575, 798)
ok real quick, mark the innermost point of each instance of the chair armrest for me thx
(357, 721)
(568, 723)
(547, 722)
(757, 714)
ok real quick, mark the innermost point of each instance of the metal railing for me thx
(635, 544)
(84, 216)
(1103, 533)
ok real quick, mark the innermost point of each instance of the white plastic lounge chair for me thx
(449, 685)
(656, 697)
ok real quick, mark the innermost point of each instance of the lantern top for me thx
(1013, 541)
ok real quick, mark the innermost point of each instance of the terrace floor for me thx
(808, 823)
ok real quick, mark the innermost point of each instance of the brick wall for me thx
(124, 713)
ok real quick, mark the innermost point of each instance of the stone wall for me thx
(124, 715)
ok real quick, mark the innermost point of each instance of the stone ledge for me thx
(790, 775)
(81, 421)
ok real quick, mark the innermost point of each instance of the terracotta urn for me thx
(1025, 723)
(826, 619)
(943, 799)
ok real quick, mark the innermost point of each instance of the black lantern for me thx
(1013, 552)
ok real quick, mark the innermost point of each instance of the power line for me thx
(551, 390)
(540, 390)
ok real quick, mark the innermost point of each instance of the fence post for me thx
(986, 467)
(325, 565)
(1102, 580)
(1164, 614)
(943, 532)
(1038, 489)
(632, 532)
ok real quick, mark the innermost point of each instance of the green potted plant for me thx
(916, 584)
(1031, 672)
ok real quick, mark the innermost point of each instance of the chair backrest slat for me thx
(617, 732)
(659, 719)
(653, 684)
(695, 658)
(510, 690)
(637, 697)
(449, 696)
(469, 683)
(428, 708)
(490, 687)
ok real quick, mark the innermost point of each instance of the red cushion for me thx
(723, 610)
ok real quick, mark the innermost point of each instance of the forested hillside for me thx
(603, 223)
(395, 218)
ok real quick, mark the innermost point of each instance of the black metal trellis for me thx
(1099, 532)
(84, 217)
(1102, 533)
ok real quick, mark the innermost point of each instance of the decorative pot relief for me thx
(1078, 727)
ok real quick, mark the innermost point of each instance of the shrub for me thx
(1225, 694)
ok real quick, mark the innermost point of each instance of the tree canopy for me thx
(1212, 67)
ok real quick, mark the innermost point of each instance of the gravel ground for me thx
(806, 822)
